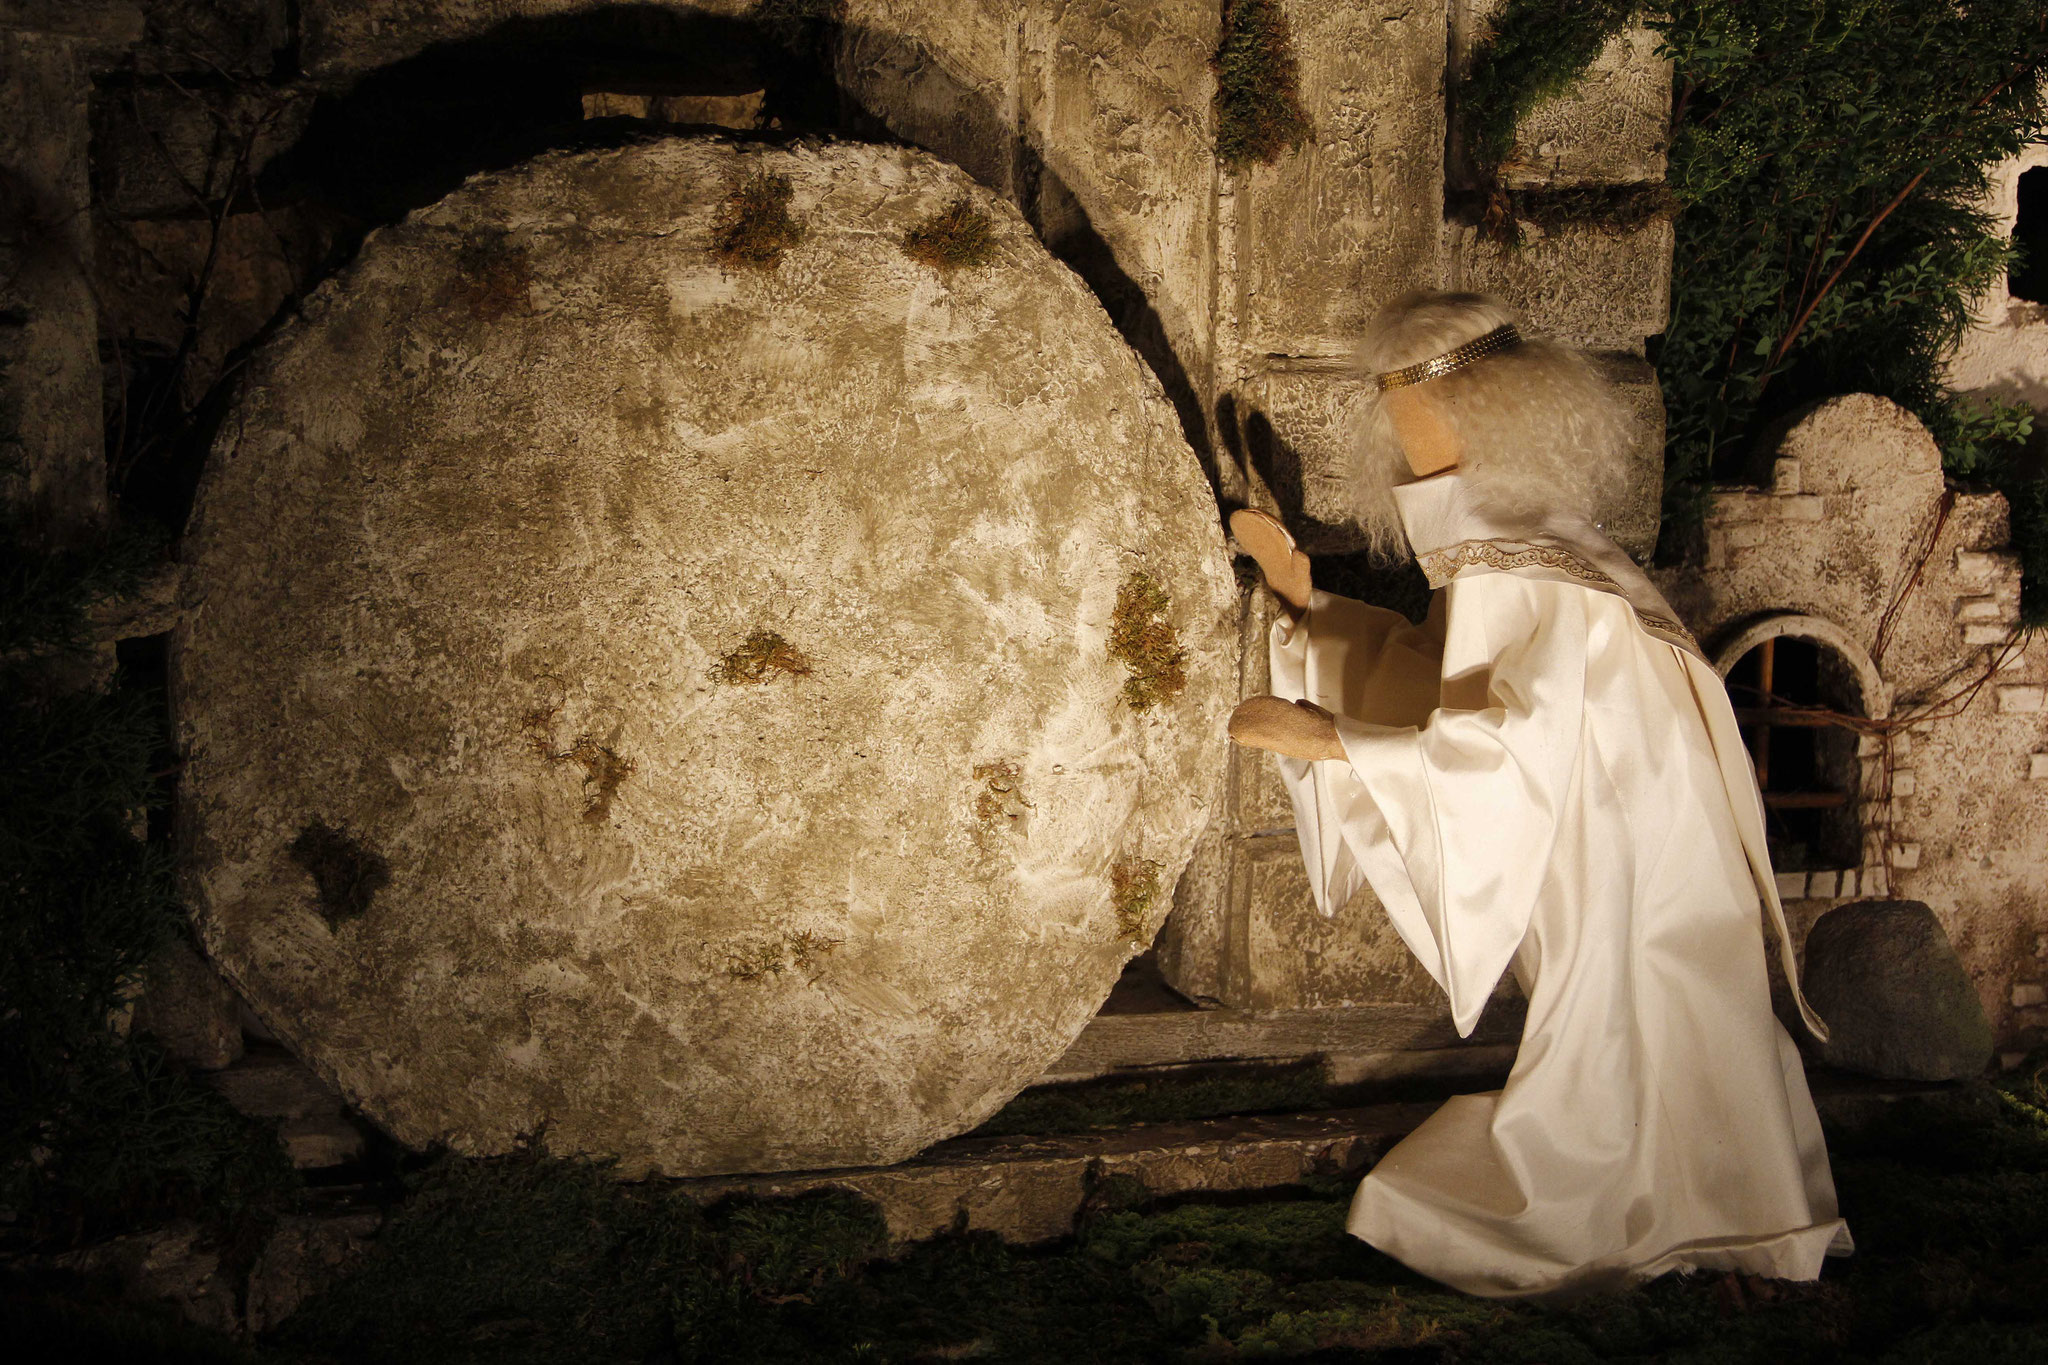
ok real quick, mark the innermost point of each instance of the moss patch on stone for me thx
(761, 657)
(1133, 887)
(1143, 640)
(771, 956)
(346, 874)
(957, 236)
(604, 770)
(1002, 796)
(1258, 86)
(755, 226)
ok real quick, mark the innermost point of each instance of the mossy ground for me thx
(956, 237)
(529, 1259)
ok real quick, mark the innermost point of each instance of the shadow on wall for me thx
(407, 134)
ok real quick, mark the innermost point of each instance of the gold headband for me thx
(1500, 339)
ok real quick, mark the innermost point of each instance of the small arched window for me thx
(1807, 767)
(2028, 279)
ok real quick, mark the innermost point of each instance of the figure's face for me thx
(1422, 425)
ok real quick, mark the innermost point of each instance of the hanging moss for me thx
(1133, 887)
(957, 236)
(1143, 641)
(755, 226)
(1258, 86)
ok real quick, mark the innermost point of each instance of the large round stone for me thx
(1894, 995)
(669, 706)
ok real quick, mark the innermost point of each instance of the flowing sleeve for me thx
(1453, 821)
(1355, 660)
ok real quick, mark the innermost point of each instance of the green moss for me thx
(1143, 640)
(1258, 86)
(955, 237)
(755, 227)
(762, 656)
(1133, 887)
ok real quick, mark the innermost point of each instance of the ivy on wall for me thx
(1826, 157)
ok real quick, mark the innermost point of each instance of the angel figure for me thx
(1544, 775)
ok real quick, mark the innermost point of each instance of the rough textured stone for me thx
(303, 1256)
(2004, 354)
(174, 1265)
(481, 811)
(190, 1010)
(1344, 223)
(166, 150)
(1896, 999)
(244, 37)
(49, 356)
(1608, 129)
(1300, 960)
(342, 39)
(1592, 286)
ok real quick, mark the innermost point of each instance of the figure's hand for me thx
(1286, 569)
(1297, 729)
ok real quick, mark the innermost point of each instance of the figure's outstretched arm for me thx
(1298, 729)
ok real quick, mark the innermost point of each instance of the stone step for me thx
(1365, 1042)
(1032, 1189)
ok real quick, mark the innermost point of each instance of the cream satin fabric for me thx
(1536, 780)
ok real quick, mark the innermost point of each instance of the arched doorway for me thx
(1787, 675)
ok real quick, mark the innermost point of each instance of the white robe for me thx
(1545, 774)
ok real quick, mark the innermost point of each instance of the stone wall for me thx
(2005, 353)
(1861, 546)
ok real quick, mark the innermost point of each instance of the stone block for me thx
(272, 1086)
(1985, 608)
(2027, 994)
(240, 37)
(340, 40)
(1896, 999)
(1348, 221)
(1115, 99)
(1791, 886)
(940, 77)
(1746, 536)
(303, 1256)
(165, 151)
(175, 1265)
(1985, 634)
(1636, 517)
(1801, 507)
(2037, 767)
(49, 343)
(1581, 283)
(1301, 960)
(1904, 784)
(2021, 699)
(187, 1008)
(321, 1141)
(1784, 477)
(740, 112)
(1608, 129)
(1822, 885)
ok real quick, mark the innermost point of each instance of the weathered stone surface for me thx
(303, 1256)
(1300, 960)
(942, 77)
(482, 811)
(1593, 286)
(1609, 129)
(174, 1265)
(342, 39)
(166, 150)
(1031, 1189)
(1347, 222)
(49, 356)
(212, 36)
(190, 1010)
(1896, 999)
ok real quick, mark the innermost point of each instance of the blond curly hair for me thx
(1540, 427)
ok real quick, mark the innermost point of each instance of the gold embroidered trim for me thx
(1440, 566)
